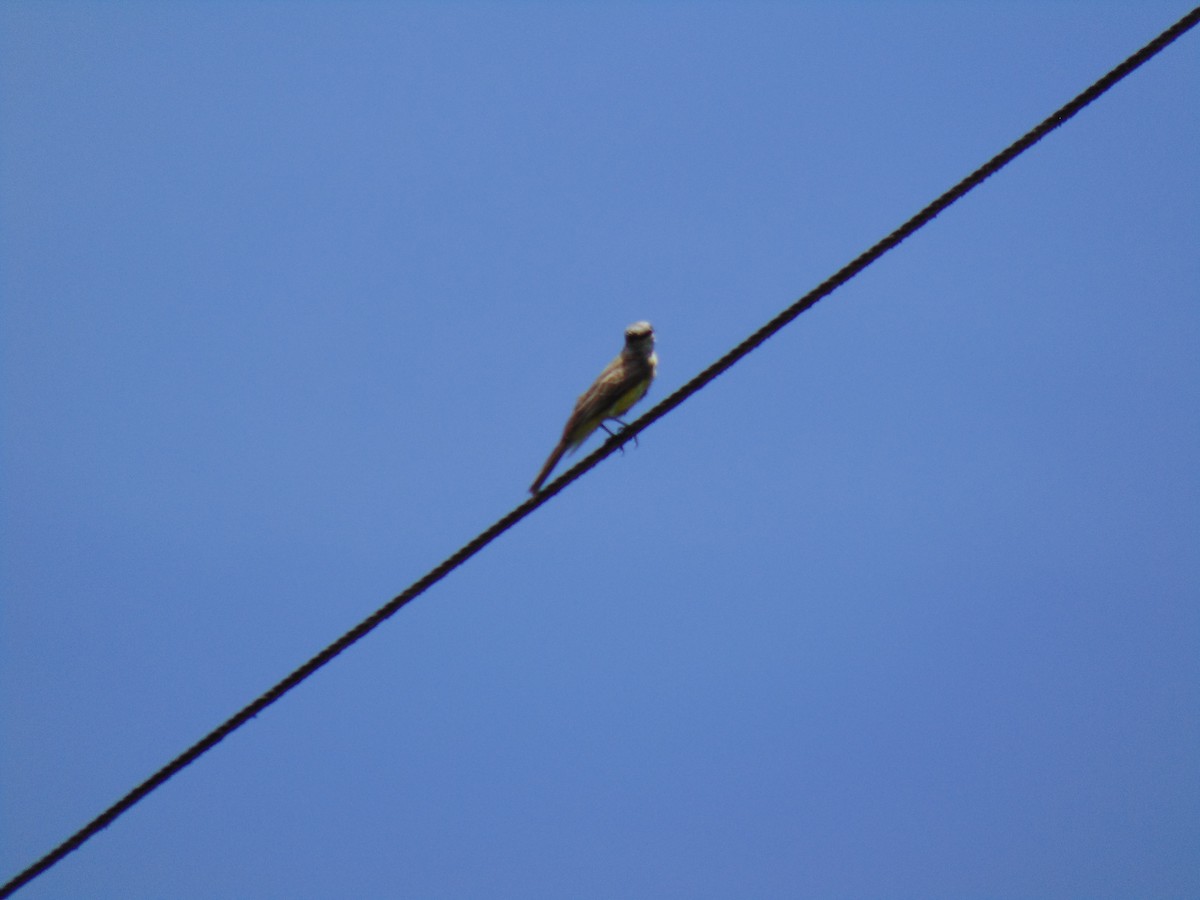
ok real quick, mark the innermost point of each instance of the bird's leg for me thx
(623, 425)
(612, 434)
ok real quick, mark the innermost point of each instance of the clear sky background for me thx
(296, 299)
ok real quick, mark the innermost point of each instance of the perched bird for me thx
(623, 383)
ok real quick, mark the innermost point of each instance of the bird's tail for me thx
(549, 466)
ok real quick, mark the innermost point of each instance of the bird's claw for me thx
(613, 434)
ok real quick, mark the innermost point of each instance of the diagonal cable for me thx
(477, 543)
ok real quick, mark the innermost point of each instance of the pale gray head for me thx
(639, 338)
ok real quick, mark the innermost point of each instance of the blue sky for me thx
(296, 298)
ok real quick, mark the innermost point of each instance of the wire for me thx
(460, 556)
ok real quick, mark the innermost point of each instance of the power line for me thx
(468, 550)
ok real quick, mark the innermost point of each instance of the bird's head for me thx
(639, 338)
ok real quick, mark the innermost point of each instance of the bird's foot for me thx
(623, 425)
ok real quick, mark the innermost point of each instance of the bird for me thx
(623, 383)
